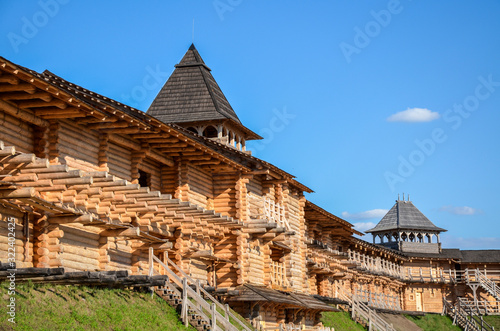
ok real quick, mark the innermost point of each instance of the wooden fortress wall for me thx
(99, 160)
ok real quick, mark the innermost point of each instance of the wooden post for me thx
(184, 302)
(151, 269)
(214, 318)
(227, 311)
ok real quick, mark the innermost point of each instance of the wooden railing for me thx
(373, 320)
(278, 274)
(274, 212)
(380, 266)
(480, 307)
(374, 265)
(475, 275)
(379, 300)
(195, 299)
(465, 317)
(361, 311)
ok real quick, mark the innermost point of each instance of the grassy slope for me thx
(340, 321)
(55, 307)
(493, 321)
(432, 322)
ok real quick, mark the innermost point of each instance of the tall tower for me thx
(191, 98)
(406, 229)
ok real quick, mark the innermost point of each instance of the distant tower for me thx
(406, 229)
(192, 99)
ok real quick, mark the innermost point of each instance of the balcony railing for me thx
(375, 265)
(273, 211)
(278, 274)
(379, 300)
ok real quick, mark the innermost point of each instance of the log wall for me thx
(225, 194)
(80, 249)
(15, 132)
(19, 249)
(119, 161)
(120, 254)
(153, 169)
(201, 186)
(78, 148)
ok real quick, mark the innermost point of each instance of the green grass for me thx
(340, 321)
(493, 320)
(432, 322)
(57, 307)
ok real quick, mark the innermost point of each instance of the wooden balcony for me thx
(278, 275)
(373, 265)
(271, 211)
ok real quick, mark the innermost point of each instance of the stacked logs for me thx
(22, 246)
(119, 161)
(79, 148)
(225, 194)
(16, 132)
(103, 152)
(53, 140)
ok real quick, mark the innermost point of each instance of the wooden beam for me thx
(26, 96)
(131, 232)
(21, 193)
(71, 219)
(9, 79)
(19, 87)
(41, 103)
(22, 114)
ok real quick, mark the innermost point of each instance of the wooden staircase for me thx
(195, 305)
(362, 313)
(465, 317)
(475, 277)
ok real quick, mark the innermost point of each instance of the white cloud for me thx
(363, 226)
(465, 210)
(365, 215)
(413, 115)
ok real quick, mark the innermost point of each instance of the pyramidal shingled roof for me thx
(191, 94)
(405, 216)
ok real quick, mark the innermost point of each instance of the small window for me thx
(210, 132)
(412, 297)
(144, 179)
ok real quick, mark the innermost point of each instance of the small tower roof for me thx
(405, 216)
(191, 94)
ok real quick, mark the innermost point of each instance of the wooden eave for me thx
(326, 219)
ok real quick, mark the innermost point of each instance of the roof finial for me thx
(408, 196)
(403, 196)
(398, 196)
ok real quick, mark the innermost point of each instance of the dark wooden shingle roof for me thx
(405, 216)
(191, 94)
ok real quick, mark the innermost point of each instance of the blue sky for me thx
(375, 98)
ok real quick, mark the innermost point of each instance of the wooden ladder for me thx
(197, 307)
